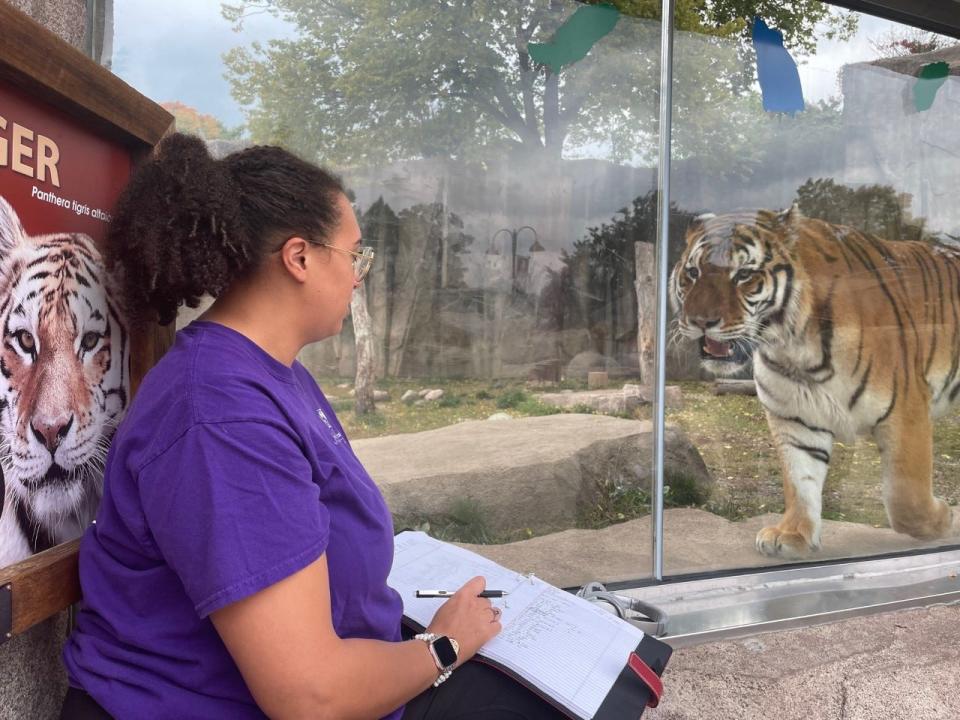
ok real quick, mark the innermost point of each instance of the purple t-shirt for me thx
(229, 473)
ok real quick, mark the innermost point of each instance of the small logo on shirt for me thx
(334, 433)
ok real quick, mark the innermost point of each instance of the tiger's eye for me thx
(693, 273)
(743, 274)
(26, 341)
(90, 340)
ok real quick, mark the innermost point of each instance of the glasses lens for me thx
(362, 264)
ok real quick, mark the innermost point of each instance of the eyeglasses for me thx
(362, 261)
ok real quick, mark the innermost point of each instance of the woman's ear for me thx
(293, 257)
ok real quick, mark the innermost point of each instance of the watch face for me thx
(445, 651)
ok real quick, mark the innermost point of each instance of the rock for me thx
(422, 393)
(343, 386)
(500, 416)
(612, 401)
(539, 472)
(409, 396)
(584, 362)
(673, 396)
(433, 395)
(421, 401)
(381, 396)
(597, 379)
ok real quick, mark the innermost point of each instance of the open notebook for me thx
(570, 650)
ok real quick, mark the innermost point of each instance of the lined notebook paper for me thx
(566, 647)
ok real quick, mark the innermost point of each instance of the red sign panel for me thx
(64, 379)
(57, 175)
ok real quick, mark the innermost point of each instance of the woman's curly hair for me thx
(188, 225)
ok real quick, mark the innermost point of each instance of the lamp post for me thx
(513, 233)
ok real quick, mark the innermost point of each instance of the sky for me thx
(173, 51)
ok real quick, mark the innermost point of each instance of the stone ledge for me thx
(535, 473)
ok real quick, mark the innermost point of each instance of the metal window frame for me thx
(939, 16)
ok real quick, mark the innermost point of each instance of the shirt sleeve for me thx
(232, 507)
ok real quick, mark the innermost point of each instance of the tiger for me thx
(848, 335)
(64, 383)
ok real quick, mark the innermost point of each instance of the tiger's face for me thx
(63, 374)
(734, 284)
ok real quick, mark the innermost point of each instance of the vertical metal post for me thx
(663, 240)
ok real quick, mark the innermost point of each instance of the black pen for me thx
(451, 593)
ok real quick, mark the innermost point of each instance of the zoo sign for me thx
(64, 355)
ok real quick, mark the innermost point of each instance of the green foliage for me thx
(369, 80)
(465, 522)
(875, 209)
(682, 490)
(511, 399)
(449, 401)
(483, 395)
(533, 407)
(340, 405)
(619, 503)
(375, 420)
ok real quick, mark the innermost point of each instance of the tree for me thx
(908, 41)
(418, 276)
(192, 121)
(874, 209)
(596, 287)
(395, 79)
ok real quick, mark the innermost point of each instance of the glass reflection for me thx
(830, 306)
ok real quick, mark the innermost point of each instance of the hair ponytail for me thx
(188, 225)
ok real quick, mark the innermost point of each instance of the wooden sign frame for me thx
(38, 62)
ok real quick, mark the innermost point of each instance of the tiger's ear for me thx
(699, 221)
(11, 231)
(789, 224)
(790, 218)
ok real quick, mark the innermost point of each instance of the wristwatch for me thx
(444, 651)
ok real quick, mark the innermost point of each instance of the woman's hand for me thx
(468, 619)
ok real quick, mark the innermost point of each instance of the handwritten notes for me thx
(568, 648)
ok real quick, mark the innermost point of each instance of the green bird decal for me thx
(932, 76)
(573, 40)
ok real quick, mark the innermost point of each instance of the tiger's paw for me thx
(932, 522)
(778, 542)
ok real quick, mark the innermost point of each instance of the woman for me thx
(239, 560)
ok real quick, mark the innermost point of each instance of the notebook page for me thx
(569, 648)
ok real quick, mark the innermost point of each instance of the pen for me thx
(450, 593)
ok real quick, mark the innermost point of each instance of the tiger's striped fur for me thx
(63, 384)
(849, 335)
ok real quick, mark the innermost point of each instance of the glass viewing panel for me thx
(814, 171)
(502, 159)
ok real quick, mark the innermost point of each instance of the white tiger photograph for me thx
(64, 384)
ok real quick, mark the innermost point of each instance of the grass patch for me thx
(511, 399)
(450, 401)
(464, 523)
(730, 432)
(619, 503)
(532, 407)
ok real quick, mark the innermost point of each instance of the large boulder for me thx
(538, 473)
